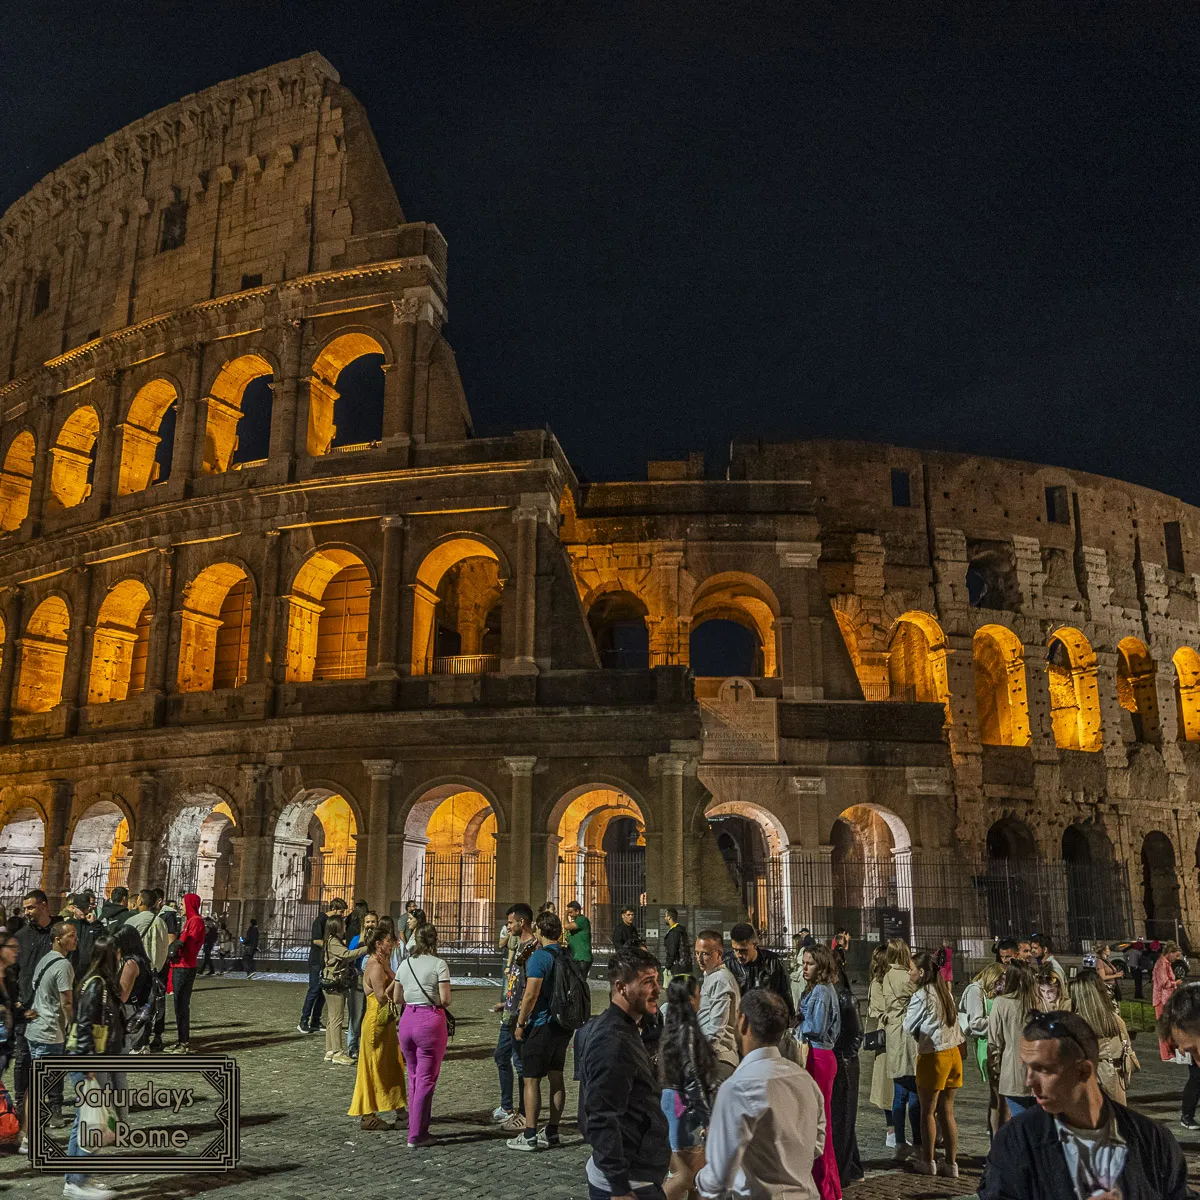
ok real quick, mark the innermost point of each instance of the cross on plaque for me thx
(736, 688)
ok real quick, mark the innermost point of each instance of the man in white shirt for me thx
(768, 1122)
(719, 995)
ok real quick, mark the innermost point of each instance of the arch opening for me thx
(1001, 701)
(328, 618)
(1097, 890)
(917, 661)
(739, 612)
(16, 481)
(214, 639)
(73, 458)
(618, 624)
(21, 854)
(450, 863)
(100, 849)
(1160, 887)
(871, 865)
(1137, 691)
(1187, 693)
(314, 853)
(200, 849)
(457, 609)
(598, 857)
(43, 657)
(238, 409)
(147, 437)
(1074, 692)
(121, 644)
(345, 406)
(1011, 880)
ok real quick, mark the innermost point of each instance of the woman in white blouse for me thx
(423, 982)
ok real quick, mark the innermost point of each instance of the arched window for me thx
(733, 627)
(147, 437)
(74, 458)
(1000, 697)
(345, 395)
(241, 393)
(214, 639)
(1136, 689)
(618, 624)
(1187, 693)
(16, 481)
(328, 614)
(1074, 694)
(917, 661)
(456, 608)
(121, 644)
(43, 657)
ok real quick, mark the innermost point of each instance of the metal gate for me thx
(288, 932)
(604, 884)
(459, 896)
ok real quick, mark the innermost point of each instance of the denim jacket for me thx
(820, 1019)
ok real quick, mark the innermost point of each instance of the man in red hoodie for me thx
(183, 970)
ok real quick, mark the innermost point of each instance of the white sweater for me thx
(924, 1018)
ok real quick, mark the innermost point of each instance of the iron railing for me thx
(465, 664)
(604, 884)
(458, 895)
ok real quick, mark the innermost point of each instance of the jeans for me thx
(422, 1036)
(1019, 1104)
(506, 1063)
(39, 1050)
(1191, 1092)
(355, 1003)
(248, 960)
(183, 979)
(314, 999)
(160, 1011)
(904, 1096)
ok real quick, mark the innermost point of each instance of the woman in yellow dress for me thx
(379, 1087)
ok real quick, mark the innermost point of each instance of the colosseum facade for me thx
(277, 625)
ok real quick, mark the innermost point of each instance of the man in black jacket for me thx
(34, 941)
(1077, 1142)
(620, 1098)
(754, 966)
(677, 949)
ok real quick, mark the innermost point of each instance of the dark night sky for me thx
(968, 229)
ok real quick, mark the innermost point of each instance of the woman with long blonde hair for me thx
(975, 1006)
(882, 1088)
(1091, 1000)
(901, 1050)
(1052, 994)
(1009, 1016)
(932, 1018)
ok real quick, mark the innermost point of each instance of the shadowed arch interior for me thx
(214, 638)
(618, 624)
(121, 644)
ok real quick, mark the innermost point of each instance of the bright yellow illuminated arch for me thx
(43, 656)
(140, 438)
(327, 636)
(214, 640)
(72, 457)
(224, 406)
(16, 481)
(433, 567)
(322, 392)
(1074, 692)
(120, 644)
(1001, 700)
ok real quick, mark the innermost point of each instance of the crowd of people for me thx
(720, 1071)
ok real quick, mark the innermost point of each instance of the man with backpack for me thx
(677, 950)
(543, 1032)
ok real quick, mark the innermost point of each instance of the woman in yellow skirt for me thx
(379, 1087)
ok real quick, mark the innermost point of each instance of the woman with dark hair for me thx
(689, 1084)
(1009, 1016)
(932, 1018)
(379, 1085)
(135, 981)
(337, 974)
(423, 983)
(98, 1028)
(820, 1026)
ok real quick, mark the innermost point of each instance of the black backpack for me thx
(570, 1000)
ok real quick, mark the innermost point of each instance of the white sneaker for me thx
(500, 1115)
(521, 1142)
(87, 1191)
(24, 1145)
(890, 1140)
(329, 1054)
(341, 1060)
(948, 1170)
(924, 1166)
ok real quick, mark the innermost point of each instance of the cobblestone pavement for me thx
(298, 1142)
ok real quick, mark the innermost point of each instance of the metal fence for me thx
(604, 884)
(459, 897)
(941, 897)
(287, 931)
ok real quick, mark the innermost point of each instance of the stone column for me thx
(387, 664)
(286, 396)
(39, 485)
(157, 683)
(526, 518)
(141, 848)
(263, 662)
(254, 850)
(13, 606)
(186, 458)
(56, 851)
(670, 781)
(398, 377)
(109, 442)
(381, 772)
(79, 645)
(520, 830)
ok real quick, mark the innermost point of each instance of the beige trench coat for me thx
(882, 1088)
(901, 1046)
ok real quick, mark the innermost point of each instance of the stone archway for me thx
(1160, 887)
(1097, 888)
(199, 848)
(752, 843)
(314, 852)
(100, 849)
(449, 864)
(22, 840)
(871, 867)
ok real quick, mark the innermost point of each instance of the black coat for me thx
(768, 970)
(621, 1101)
(677, 953)
(1027, 1161)
(625, 935)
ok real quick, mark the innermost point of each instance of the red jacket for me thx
(191, 936)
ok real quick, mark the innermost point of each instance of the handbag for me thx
(451, 1023)
(99, 1032)
(876, 1040)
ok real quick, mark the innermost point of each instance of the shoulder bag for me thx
(99, 1029)
(451, 1023)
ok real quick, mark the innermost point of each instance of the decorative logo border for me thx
(49, 1153)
